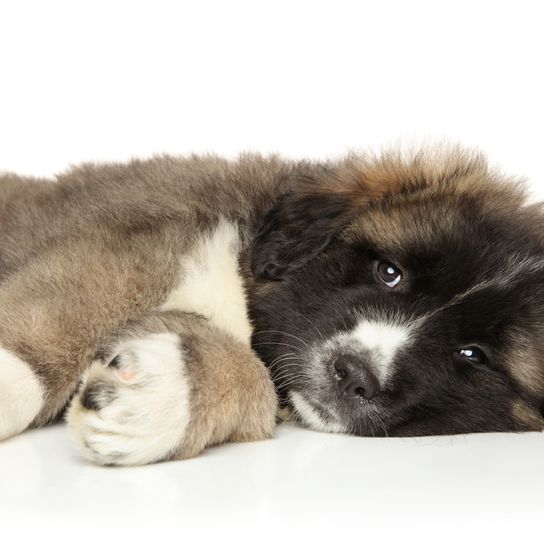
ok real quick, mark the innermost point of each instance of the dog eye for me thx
(389, 273)
(471, 354)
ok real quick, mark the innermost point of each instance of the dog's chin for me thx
(315, 416)
(320, 416)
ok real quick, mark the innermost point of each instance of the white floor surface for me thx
(301, 486)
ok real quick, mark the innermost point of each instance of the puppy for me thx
(386, 296)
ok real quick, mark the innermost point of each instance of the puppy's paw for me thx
(135, 409)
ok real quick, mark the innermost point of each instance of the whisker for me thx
(287, 366)
(281, 359)
(286, 372)
(286, 334)
(313, 325)
(277, 344)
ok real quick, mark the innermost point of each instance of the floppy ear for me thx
(302, 223)
(296, 229)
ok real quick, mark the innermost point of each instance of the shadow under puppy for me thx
(387, 295)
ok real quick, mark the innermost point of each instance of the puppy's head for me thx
(404, 297)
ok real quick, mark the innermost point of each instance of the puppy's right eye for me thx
(389, 273)
(471, 354)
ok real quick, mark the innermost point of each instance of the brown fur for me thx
(83, 259)
(232, 398)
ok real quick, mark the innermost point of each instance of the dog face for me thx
(404, 297)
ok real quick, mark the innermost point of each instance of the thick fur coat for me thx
(386, 295)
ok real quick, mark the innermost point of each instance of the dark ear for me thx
(295, 230)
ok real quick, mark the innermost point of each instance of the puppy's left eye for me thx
(471, 354)
(389, 273)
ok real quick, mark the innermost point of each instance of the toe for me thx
(97, 395)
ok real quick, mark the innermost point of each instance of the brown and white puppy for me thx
(386, 296)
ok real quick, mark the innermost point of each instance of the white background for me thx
(110, 80)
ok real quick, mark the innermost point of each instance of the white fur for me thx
(148, 413)
(379, 340)
(382, 340)
(310, 417)
(210, 282)
(21, 394)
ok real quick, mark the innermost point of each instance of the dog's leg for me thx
(55, 311)
(168, 387)
(21, 394)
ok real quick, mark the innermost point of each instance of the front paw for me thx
(169, 396)
(136, 409)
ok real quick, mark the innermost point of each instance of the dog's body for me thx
(137, 251)
(161, 271)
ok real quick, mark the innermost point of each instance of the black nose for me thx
(354, 378)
